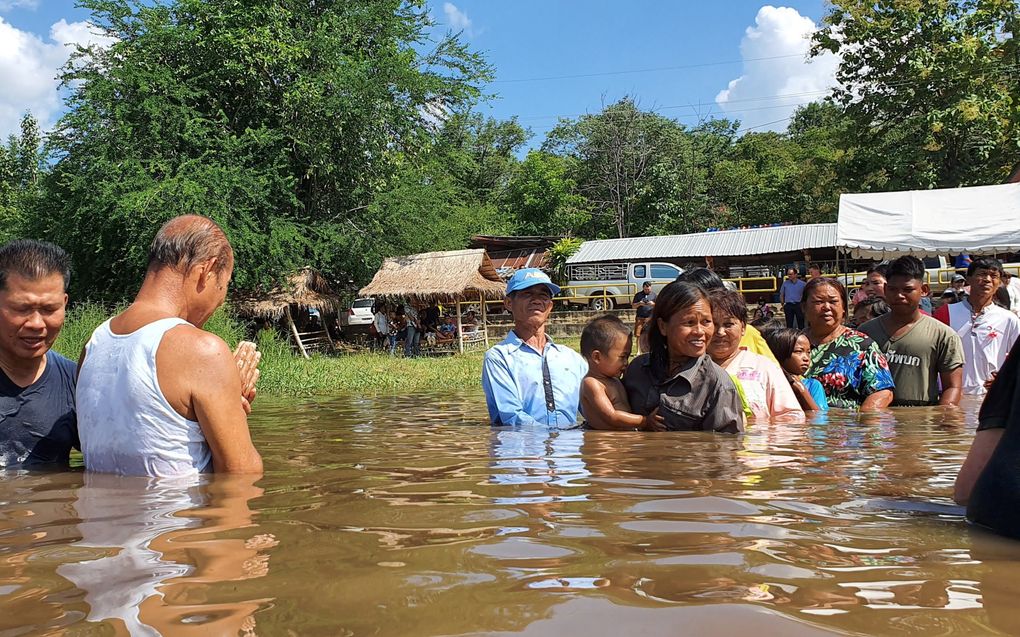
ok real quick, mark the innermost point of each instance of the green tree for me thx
(282, 120)
(542, 197)
(615, 151)
(929, 89)
(755, 183)
(480, 153)
(22, 164)
(818, 130)
(679, 188)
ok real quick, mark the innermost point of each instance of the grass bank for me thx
(284, 374)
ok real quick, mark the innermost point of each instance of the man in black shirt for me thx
(644, 302)
(989, 482)
(37, 415)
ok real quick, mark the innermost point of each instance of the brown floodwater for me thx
(410, 516)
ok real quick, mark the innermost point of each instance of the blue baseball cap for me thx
(530, 277)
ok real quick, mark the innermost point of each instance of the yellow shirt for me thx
(753, 342)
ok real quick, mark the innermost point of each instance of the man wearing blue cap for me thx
(527, 378)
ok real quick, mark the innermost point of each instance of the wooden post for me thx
(460, 329)
(294, 332)
(325, 326)
(485, 323)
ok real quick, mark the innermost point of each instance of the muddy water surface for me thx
(410, 516)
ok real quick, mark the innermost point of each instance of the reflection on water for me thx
(398, 516)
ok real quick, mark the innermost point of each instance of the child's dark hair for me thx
(675, 297)
(601, 333)
(728, 302)
(908, 266)
(876, 306)
(782, 341)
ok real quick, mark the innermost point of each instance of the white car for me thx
(359, 314)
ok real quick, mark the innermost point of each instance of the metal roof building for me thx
(723, 243)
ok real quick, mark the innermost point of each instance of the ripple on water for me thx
(405, 515)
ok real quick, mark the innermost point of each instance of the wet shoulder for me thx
(64, 368)
(711, 372)
(188, 341)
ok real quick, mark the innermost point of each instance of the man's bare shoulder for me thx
(196, 344)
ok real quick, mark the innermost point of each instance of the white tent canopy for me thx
(977, 220)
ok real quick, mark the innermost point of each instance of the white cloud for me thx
(29, 67)
(783, 34)
(82, 33)
(457, 19)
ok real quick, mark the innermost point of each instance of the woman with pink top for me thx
(769, 395)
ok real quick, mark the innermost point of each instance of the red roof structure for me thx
(510, 254)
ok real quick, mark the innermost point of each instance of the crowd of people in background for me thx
(409, 323)
(703, 367)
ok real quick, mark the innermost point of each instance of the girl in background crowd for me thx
(793, 350)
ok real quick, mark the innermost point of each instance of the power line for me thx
(648, 70)
(1006, 68)
(778, 121)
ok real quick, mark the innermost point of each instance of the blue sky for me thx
(697, 49)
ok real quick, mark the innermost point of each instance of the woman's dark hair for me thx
(728, 302)
(881, 268)
(1001, 297)
(703, 278)
(675, 297)
(782, 340)
(814, 284)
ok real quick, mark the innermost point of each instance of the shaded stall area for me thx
(302, 307)
(455, 278)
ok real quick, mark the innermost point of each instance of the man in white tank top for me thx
(158, 395)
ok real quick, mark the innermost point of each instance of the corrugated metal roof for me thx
(724, 243)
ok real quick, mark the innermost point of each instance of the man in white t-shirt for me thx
(987, 330)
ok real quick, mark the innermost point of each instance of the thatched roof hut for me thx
(305, 288)
(441, 277)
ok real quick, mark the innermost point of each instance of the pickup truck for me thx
(939, 273)
(603, 286)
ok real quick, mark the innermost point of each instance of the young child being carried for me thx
(606, 344)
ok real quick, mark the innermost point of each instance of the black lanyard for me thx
(550, 402)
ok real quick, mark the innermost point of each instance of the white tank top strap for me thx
(126, 424)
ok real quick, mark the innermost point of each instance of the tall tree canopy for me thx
(282, 120)
(931, 90)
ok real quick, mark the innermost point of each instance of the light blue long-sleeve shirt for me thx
(512, 380)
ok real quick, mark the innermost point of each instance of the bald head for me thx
(186, 241)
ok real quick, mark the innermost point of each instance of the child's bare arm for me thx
(599, 411)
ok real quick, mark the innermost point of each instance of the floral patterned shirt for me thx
(850, 368)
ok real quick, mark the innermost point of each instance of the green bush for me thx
(81, 321)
